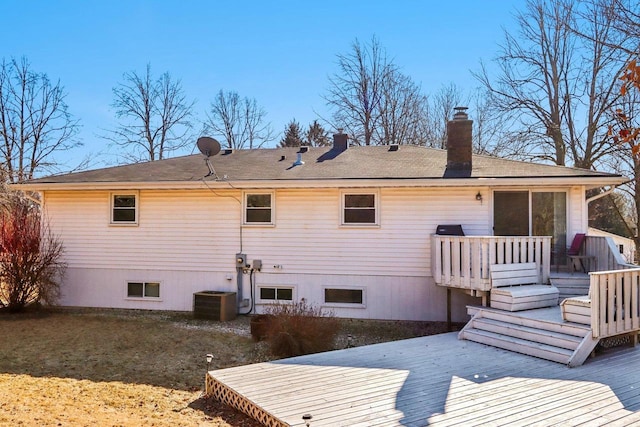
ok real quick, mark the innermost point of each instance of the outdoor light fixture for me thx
(349, 341)
(209, 359)
(479, 197)
(307, 419)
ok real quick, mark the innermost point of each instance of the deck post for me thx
(449, 309)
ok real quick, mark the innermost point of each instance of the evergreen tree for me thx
(317, 136)
(292, 135)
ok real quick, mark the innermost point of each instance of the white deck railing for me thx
(615, 302)
(463, 261)
(606, 254)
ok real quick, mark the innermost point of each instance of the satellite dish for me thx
(208, 146)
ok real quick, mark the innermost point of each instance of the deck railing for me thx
(615, 302)
(463, 261)
(605, 253)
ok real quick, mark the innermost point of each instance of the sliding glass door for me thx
(533, 213)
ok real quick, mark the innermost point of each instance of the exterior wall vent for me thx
(299, 161)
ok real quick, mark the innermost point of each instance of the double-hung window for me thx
(360, 208)
(258, 208)
(124, 208)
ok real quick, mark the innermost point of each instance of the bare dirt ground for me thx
(135, 368)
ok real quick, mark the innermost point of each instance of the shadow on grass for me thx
(212, 409)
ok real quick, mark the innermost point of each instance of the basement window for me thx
(276, 294)
(124, 208)
(359, 208)
(143, 290)
(344, 296)
(258, 208)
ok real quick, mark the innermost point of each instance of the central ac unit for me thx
(214, 305)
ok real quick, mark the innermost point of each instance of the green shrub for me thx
(299, 328)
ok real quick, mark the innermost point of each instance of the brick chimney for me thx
(459, 145)
(340, 141)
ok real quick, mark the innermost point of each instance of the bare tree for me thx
(402, 111)
(625, 134)
(155, 116)
(625, 18)
(490, 128)
(239, 121)
(439, 110)
(372, 100)
(35, 123)
(559, 86)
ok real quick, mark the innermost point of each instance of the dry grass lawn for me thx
(131, 368)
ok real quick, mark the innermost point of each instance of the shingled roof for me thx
(404, 162)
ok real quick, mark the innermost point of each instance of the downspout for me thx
(34, 200)
(606, 193)
(598, 196)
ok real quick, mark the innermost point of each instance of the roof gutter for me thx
(324, 183)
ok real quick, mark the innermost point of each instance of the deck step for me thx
(517, 319)
(556, 339)
(571, 285)
(531, 348)
(547, 339)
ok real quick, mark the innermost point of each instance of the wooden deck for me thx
(436, 380)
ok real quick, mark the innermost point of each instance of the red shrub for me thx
(30, 257)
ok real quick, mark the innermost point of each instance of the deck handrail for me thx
(615, 302)
(606, 254)
(463, 261)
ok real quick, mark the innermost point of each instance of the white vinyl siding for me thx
(200, 231)
(195, 231)
(187, 241)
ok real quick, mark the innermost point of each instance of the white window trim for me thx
(272, 223)
(276, 301)
(134, 193)
(345, 304)
(376, 202)
(142, 298)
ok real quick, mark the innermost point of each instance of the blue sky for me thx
(280, 53)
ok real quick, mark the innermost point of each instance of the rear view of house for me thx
(350, 228)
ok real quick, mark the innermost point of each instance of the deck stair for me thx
(566, 343)
(570, 285)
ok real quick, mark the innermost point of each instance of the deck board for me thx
(440, 380)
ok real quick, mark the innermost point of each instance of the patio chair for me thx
(575, 254)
